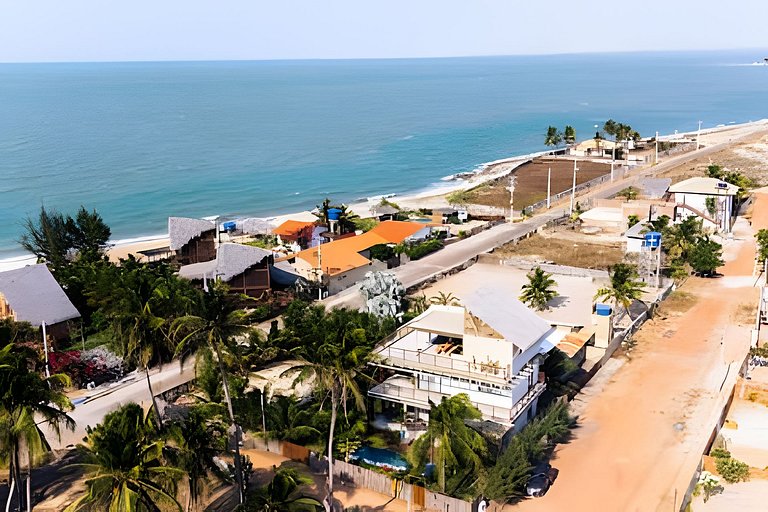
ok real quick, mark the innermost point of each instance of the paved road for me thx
(93, 410)
(461, 252)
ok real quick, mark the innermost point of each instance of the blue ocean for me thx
(142, 141)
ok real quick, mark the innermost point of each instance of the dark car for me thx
(542, 478)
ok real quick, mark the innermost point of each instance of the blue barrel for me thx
(602, 310)
(334, 214)
(652, 239)
(229, 226)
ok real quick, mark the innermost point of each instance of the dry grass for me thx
(677, 303)
(564, 252)
(746, 313)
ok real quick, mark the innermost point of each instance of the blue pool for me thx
(385, 459)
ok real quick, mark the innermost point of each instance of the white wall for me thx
(699, 202)
(485, 350)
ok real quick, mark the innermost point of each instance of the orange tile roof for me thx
(291, 227)
(395, 231)
(343, 254)
(573, 341)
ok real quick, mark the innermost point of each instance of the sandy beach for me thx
(432, 198)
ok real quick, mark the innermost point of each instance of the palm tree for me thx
(28, 400)
(444, 299)
(335, 359)
(280, 494)
(218, 321)
(126, 469)
(569, 134)
(195, 441)
(454, 448)
(624, 288)
(553, 137)
(539, 290)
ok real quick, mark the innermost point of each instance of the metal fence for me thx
(618, 174)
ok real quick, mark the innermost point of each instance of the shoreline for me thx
(430, 197)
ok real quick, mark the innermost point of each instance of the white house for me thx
(490, 349)
(692, 195)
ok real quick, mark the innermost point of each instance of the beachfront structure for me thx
(594, 148)
(490, 348)
(192, 240)
(692, 195)
(343, 262)
(243, 267)
(31, 294)
(296, 231)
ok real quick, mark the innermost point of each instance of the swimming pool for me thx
(380, 457)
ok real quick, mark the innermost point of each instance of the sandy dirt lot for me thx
(638, 442)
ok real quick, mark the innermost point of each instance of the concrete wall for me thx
(484, 350)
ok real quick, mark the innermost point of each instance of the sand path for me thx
(640, 438)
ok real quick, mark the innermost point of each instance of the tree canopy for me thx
(539, 290)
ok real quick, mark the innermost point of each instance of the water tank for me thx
(652, 239)
(229, 226)
(334, 213)
(602, 310)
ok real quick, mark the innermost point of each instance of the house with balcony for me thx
(490, 348)
(712, 200)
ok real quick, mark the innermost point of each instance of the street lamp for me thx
(698, 136)
(573, 188)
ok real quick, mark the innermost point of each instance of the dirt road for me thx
(639, 440)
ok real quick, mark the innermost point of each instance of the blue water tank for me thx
(334, 213)
(602, 310)
(229, 226)
(652, 239)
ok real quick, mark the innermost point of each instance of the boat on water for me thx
(763, 62)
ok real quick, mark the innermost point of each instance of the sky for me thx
(114, 30)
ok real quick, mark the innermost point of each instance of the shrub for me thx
(418, 251)
(732, 470)
(720, 453)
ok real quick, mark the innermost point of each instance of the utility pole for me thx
(549, 186)
(656, 156)
(511, 188)
(320, 273)
(613, 159)
(573, 188)
(45, 348)
(698, 137)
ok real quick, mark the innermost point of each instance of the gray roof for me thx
(182, 229)
(655, 188)
(637, 231)
(498, 308)
(255, 226)
(384, 209)
(35, 296)
(231, 261)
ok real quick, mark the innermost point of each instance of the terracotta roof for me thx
(290, 227)
(395, 231)
(344, 254)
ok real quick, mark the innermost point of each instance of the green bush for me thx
(732, 470)
(418, 251)
(720, 453)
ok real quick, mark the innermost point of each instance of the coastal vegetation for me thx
(625, 287)
(555, 137)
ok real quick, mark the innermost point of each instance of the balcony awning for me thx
(448, 321)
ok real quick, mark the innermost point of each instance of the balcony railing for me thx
(415, 359)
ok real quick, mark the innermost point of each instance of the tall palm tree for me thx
(624, 288)
(126, 469)
(335, 359)
(454, 448)
(28, 400)
(280, 495)
(195, 441)
(539, 290)
(217, 322)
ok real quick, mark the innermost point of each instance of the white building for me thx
(490, 349)
(691, 198)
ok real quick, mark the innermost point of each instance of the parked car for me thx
(543, 477)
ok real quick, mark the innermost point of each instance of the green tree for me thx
(282, 494)
(629, 193)
(444, 299)
(569, 134)
(334, 352)
(632, 220)
(456, 449)
(553, 137)
(762, 244)
(127, 470)
(539, 290)
(711, 205)
(55, 236)
(660, 224)
(217, 322)
(27, 401)
(624, 288)
(706, 256)
(195, 441)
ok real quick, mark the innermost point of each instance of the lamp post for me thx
(511, 188)
(573, 188)
(549, 186)
(698, 137)
(656, 155)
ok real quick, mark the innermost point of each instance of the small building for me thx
(243, 267)
(490, 348)
(192, 240)
(384, 212)
(594, 148)
(301, 232)
(31, 294)
(713, 200)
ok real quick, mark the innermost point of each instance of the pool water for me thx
(380, 457)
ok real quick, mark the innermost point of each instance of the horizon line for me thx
(443, 57)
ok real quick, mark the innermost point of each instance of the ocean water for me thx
(142, 141)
